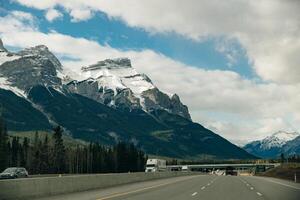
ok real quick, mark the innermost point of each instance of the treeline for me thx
(46, 155)
(290, 159)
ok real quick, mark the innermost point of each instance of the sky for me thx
(234, 63)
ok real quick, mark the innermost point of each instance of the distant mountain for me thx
(109, 102)
(272, 146)
(292, 147)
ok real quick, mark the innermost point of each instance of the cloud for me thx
(53, 14)
(17, 20)
(235, 107)
(269, 30)
(80, 14)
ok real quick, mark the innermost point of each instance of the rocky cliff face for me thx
(2, 48)
(155, 99)
(116, 83)
(30, 67)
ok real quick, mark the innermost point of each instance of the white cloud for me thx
(237, 108)
(80, 14)
(22, 16)
(269, 30)
(17, 20)
(53, 14)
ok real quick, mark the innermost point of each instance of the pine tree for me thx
(25, 153)
(59, 151)
(44, 156)
(4, 151)
(35, 155)
(15, 152)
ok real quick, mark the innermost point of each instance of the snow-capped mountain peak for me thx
(43, 52)
(278, 139)
(115, 82)
(118, 74)
(273, 145)
(109, 64)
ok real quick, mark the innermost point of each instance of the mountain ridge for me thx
(93, 109)
(272, 146)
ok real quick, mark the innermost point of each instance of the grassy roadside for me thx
(284, 171)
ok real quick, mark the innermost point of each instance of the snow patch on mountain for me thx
(7, 56)
(5, 84)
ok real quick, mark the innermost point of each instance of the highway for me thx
(195, 188)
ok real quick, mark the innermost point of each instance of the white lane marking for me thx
(251, 188)
(203, 188)
(195, 193)
(143, 189)
(208, 184)
(248, 185)
(259, 194)
(283, 184)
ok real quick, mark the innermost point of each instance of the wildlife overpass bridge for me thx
(241, 167)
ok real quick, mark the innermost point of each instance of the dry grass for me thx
(285, 171)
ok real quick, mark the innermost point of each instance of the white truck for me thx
(156, 165)
(184, 168)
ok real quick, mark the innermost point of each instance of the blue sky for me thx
(115, 33)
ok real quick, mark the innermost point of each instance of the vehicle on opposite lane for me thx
(14, 172)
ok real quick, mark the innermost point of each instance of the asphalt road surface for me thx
(206, 187)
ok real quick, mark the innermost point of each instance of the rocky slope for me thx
(111, 103)
(29, 67)
(292, 147)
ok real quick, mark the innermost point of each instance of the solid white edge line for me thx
(283, 184)
(266, 179)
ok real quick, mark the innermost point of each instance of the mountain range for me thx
(107, 102)
(272, 146)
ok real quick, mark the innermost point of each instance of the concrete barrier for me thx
(47, 186)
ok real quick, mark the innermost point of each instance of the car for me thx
(230, 171)
(14, 172)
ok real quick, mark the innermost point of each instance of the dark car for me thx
(230, 171)
(14, 172)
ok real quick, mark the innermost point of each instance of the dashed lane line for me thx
(141, 189)
(251, 188)
(195, 193)
(259, 194)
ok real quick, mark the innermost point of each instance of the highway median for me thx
(29, 188)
